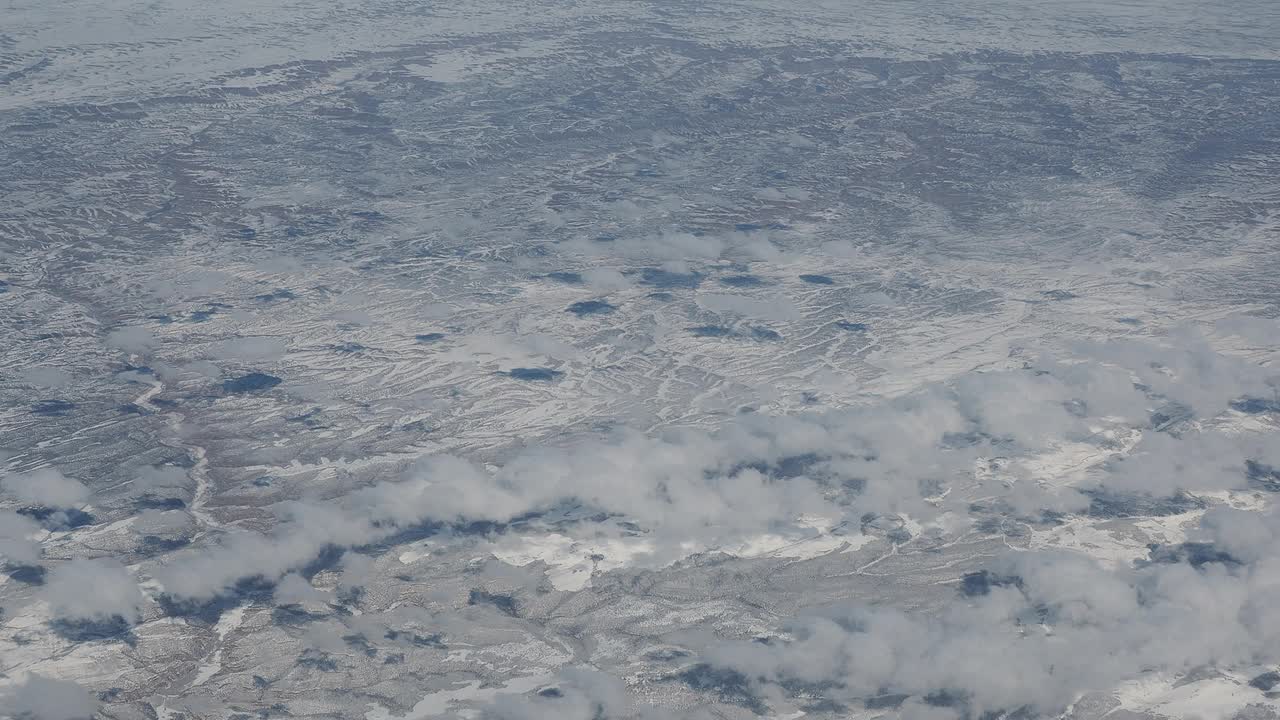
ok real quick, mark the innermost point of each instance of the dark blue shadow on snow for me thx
(658, 277)
(1266, 682)
(568, 278)
(113, 628)
(1256, 406)
(817, 280)
(591, 307)
(252, 382)
(156, 502)
(976, 584)
(27, 574)
(852, 326)
(505, 604)
(317, 660)
(1106, 504)
(157, 544)
(729, 685)
(1262, 476)
(534, 374)
(435, 640)
(52, 407)
(1196, 554)
(57, 519)
(249, 590)
(742, 281)
(1058, 294)
(278, 294)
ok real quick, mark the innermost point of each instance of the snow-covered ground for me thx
(383, 359)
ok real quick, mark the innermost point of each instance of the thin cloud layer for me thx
(761, 473)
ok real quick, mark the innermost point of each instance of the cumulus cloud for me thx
(279, 265)
(917, 709)
(45, 377)
(356, 571)
(1247, 535)
(131, 339)
(199, 368)
(197, 282)
(293, 589)
(777, 308)
(1067, 626)
(578, 694)
(1097, 390)
(163, 523)
(761, 474)
(307, 528)
(250, 349)
(1264, 332)
(1185, 369)
(1161, 464)
(1057, 626)
(93, 590)
(160, 477)
(39, 698)
(605, 279)
(46, 487)
(661, 247)
(1028, 408)
(691, 485)
(18, 544)
(509, 351)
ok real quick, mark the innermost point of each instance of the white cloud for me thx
(18, 544)
(131, 339)
(579, 694)
(92, 590)
(605, 279)
(250, 349)
(41, 698)
(160, 477)
(760, 473)
(1068, 627)
(46, 487)
(293, 589)
(46, 377)
(776, 308)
